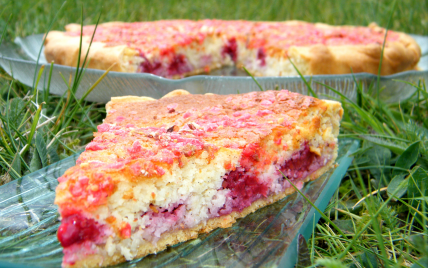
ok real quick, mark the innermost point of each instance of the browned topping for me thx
(172, 129)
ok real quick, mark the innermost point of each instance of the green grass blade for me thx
(254, 79)
(304, 80)
(33, 129)
(4, 29)
(327, 219)
(44, 39)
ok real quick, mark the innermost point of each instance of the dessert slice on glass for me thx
(160, 172)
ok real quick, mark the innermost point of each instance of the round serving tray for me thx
(20, 59)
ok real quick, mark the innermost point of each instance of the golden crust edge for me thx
(75, 27)
(400, 55)
(121, 99)
(64, 50)
(175, 237)
(177, 92)
(114, 100)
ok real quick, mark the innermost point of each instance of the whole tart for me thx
(178, 48)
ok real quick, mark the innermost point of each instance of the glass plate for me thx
(19, 59)
(267, 237)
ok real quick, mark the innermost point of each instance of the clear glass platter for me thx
(20, 60)
(265, 238)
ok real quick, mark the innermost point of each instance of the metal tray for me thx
(19, 59)
(265, 238)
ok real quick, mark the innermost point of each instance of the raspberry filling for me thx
(261, 56)
(178, 65)
(152, 68)
(245, 187)
(76, 229)
(302, 164)
(240, 189)
(231, 49)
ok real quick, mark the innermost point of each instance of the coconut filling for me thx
(262, 63)
(223, 193)
(194, 58)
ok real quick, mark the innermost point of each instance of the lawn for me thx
(387, 228)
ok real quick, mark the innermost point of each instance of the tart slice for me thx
(179, 48)
(159, 172)
(168, 48)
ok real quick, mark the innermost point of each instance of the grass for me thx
(378, 216)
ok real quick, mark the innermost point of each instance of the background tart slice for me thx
(159, 172)
(178, 48)
(169, 48)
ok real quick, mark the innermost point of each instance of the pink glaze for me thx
(135, 169)
(136, 148)
(266, 103)
(125, 232)
(187, 114)
(190, 137)
(94, 146)
(263, 112)
(171, 106)
(120, 118)
(274, 35)
(90, 196)
(103, 128)
(117, 165)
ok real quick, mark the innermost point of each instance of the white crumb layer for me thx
(198, 206)
(197, 177)
(326, 134)
(206, 54)
(131, 61)
(199, 56)
(274, 65)
(194, 185)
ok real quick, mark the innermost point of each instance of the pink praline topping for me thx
(266, 103)
(94, 146)
(263, 112)
(120, 118)
(103, 128)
